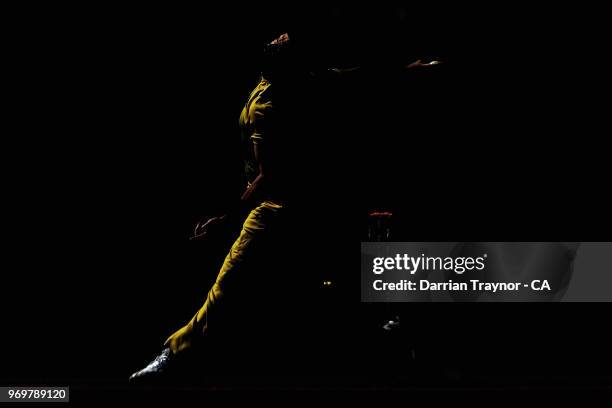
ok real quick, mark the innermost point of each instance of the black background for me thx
(123, 132)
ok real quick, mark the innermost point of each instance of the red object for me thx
(381, 214)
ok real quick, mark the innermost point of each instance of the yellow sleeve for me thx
(261, 117)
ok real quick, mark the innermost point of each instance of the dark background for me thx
(124, 132)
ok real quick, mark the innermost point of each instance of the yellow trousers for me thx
(229, 278)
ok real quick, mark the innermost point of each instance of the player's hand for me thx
(208, 226)
(282, 39)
